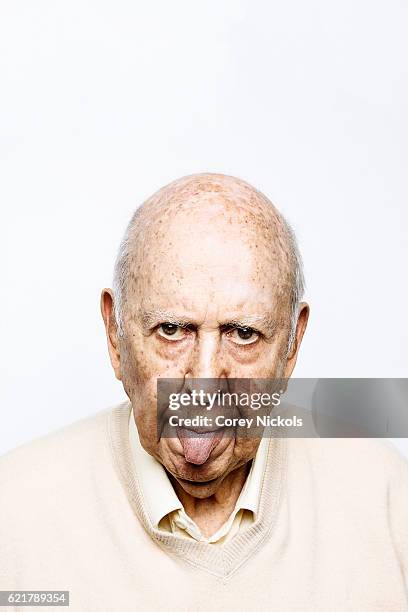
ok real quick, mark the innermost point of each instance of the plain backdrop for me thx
(104, 102)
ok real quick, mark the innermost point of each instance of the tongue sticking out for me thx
(197, 447)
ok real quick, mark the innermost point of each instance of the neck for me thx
(212, 512)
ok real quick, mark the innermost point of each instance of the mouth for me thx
(198, 446)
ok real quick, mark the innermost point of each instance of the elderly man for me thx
(208, 285)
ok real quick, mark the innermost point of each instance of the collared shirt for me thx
(165, 510)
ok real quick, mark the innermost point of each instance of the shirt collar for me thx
(158, 492)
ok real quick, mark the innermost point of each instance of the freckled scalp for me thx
(225, 200)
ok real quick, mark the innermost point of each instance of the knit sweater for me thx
(331, 533)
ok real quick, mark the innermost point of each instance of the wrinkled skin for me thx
(210, 252)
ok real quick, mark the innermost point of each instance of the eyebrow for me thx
(151, 318)
(264, 322)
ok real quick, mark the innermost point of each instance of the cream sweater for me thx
(331, 533)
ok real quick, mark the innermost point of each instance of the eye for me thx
(243, 335)
(171, 331)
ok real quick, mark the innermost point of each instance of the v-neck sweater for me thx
(331, 533)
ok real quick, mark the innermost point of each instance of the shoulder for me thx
(365, 453)
(362, 472)
(48, 452)
(40, 470)
(360, 456)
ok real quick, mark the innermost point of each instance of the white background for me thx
(104, 102)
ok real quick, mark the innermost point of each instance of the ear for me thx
(303, 318)
(107, 302)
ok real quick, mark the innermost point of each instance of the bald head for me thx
(208, 212)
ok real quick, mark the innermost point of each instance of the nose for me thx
(207, 370)
(206, 359)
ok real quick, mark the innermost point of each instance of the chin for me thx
(210, 473)
(201, 490)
